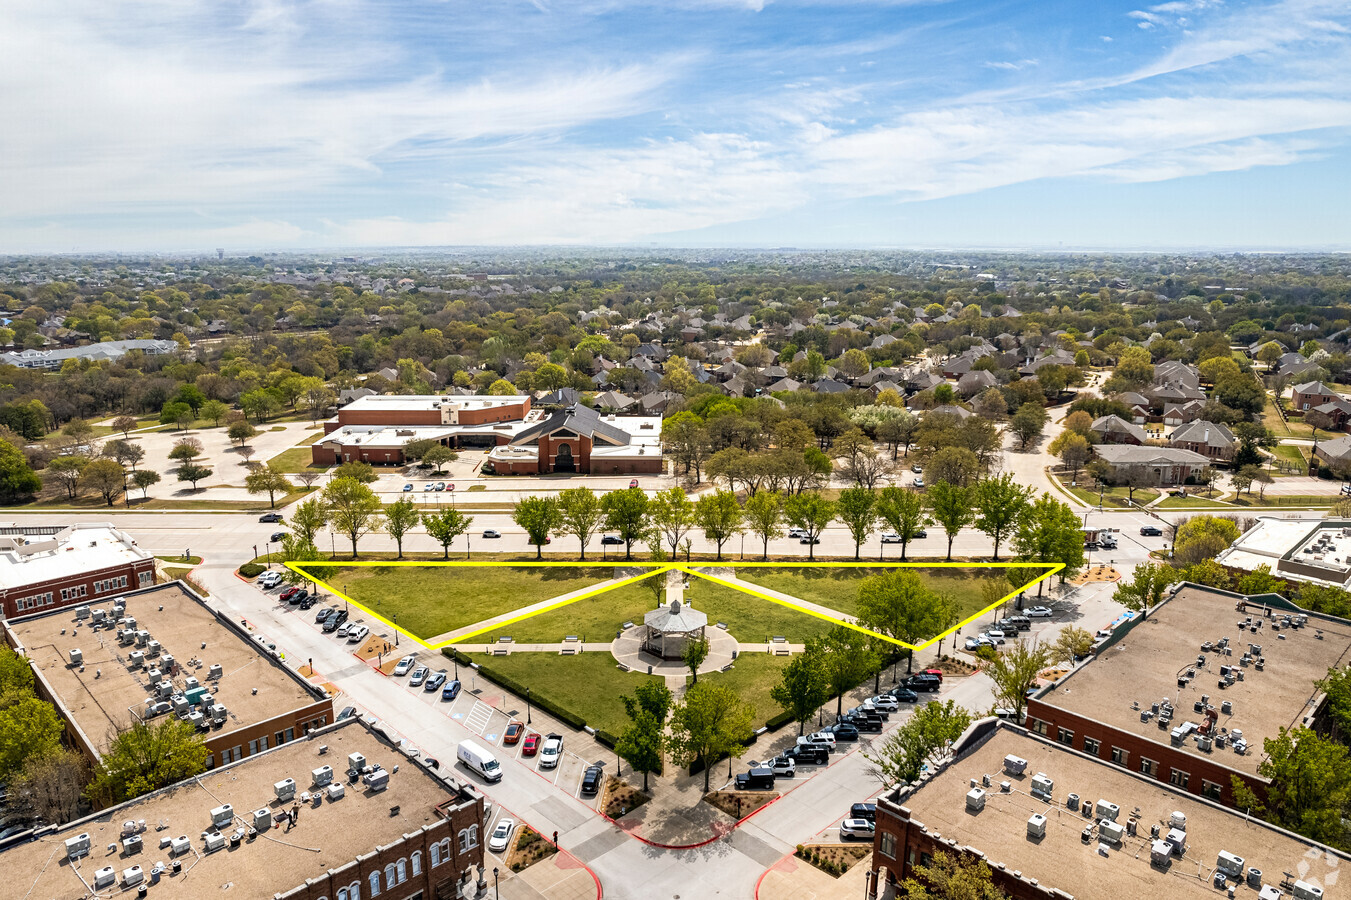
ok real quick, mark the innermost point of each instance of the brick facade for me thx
(85, 587)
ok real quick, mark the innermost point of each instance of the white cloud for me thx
(1011, 66)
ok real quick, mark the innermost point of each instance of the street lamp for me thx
(396, 629)
(527, 706)
(496, 890)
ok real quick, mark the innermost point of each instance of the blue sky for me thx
(190, 124)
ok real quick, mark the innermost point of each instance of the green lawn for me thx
(838, 588)
(1274, 502)
(1189, 503)
(298, 457)
(1292, 453)
(1115, 497)
(752, 677)
(431, 600)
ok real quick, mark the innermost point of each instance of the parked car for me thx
(807, 755)
(889, 537)
(921, 534)
(332, 622)
(818, 739)
(515, 731)
(1039, 612)
(921, 681)
(1151, 531)
(611, 539)
(863, 811)
(551, 751)
(431, 762)
(419, 675)
(903, 695)
(916, 469)
(407, 488)
(760, 778)
(861, 829)
(308, 602)
(277, 536)
(451, 690)
(886, 703)
(782, 767)
(299, 596)
(340, 616)
(269, 579)
(591, 779)
(995, 638)
(975, 643)
(428, 487)
(633, 482)
(848, 725)
(434, 682)
(290, 592)
(796, 532)
(919, 482)
(1018, 623)
(343, 627)
(323, 614)
(844, 732)
(501, 835)
(270, 517)
(491, 533)
(405, 665)
(347, 713)
(807, 540)
(530, 746)
(440, 485)
(357, 634)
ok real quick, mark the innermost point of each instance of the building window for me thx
(390, 880)
(1148, 767)
(291, 734)
(416, 860)
(1038, 726)
(1210, 789)
(1178, 778)
(375, 884)
(888, 845)
(1065, 736)
(436, 855)
(1091, 745)
(146, 576)
(402, 868)
(469, 838)
(256, 746)
(279, 738)
(1119, 756)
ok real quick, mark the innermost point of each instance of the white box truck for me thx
(480, 760)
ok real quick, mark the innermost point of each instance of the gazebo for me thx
(669, 628)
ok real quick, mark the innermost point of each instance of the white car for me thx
(996, 634)
(995, 638)
(404, 665)
(883, 702)
(819, 739)
(491, 533)
(856, 828)
(975, 643)
(551, 752)
(358, 634)
(890, 537)
(419, 675)
(501, 835)
(269, 580)
(1039, 612)
(797, 532)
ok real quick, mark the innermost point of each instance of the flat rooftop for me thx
(1309, 549)
(253, 687)
(325, 836)
(432, 401)
(1143, 668)
(1062, 860)
(69, 552)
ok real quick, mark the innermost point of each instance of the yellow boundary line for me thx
(687, 568)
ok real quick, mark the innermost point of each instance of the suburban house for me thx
(1157, 465)
(1310, 395)
(1116, 430)
(1210, 439)
(1335, 453)
(1182, 413)
(1338, 411)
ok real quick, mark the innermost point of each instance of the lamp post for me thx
(396, 629)
(497, 891)
(527, 706)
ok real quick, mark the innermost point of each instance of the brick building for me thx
(44, 568)
(169, 648)
(403, 834)
(1188, 695)
(579, 439)
(1152, 465)
(1053, 823)
(375, 429)
(1311, 395)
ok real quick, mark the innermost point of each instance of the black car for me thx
(863, 811)
(270, 517)
(591, 780)
(308, 602)
(277, 536)
(1151, 531)
(903, 695)
(921, 682)
(859, 723)
(337, 618)
(611, 539)
(324, 613)
(758, 779)
(298, 597)
(843, 732)
(869, 714)
(921, 534)
(347, 713)
(808, 755)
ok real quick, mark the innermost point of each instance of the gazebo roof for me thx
(675, 618)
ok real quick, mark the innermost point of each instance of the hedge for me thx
(251, 570)
(782, 719)
(506, 682)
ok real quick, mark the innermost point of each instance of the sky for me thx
(185, 125)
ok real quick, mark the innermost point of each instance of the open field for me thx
(838, 588)
(1114, 497)
(298, 457)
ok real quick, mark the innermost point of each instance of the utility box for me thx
(262, 819)
(378, 780)
(1036, 826)
(1105, 809)
(1042, 784)
(285, 789)
(222, 815)
(1110, 832)
(975, 799)
(1014, 765)
(322, 775)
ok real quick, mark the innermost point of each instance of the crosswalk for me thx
(478, 718)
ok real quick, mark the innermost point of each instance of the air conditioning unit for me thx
(198, 720)
(1110, 832)
(189, 683)
(136, 660)
(1104, 809)
(1179, 841)
(336, 791)
(77, 846)
(262, 819)
(1036, 826)
(77, 657)
(98, 615)
(213, 841)
(1230, 865)
(131, 844)
(104, 877)
(222, 815)
(355, 762)
(142, 638)
(975, 799)
(214, 672)
(322, 775)
(379, 780)
(1014, 765)
(218, 713)
(179, 845)
(1178, 820)
(285, 789)
(1305, 891)
(1160, 853)
(132, 876)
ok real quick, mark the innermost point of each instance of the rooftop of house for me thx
(72, 551)
(103, 692)
(1063, 861)
(1131, 455)
(425, 402)
(327, 835)
(1147, 665)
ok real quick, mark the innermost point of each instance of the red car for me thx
(289, 593)
(531, 745)
(514, 732)
(633, 483)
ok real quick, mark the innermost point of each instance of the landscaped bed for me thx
(740, 804)
(528, 848)
(833, 859)
(620, 798)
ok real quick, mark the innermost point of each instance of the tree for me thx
(125, 452)
(211, 409)
(950, 507)
(926, 735)
(579, 514)
(353, 509)
(764, 518)
(29, 729)
(445, 526)
(990, 404)
(1015, 671)
(861, 463)
(1145, 589)
(687, 439)
(1001, 503)
(1309, 786)
(105, 477)
(846, 657)
(858, 511)
(261, 404)
(1071, 645)
(185, 450)
(146, 757)
(240, 432)
(693, 655)
(899, 605)
(1261, 581)
(712, 720)
(903, 511)
(125, 424)
(175, 413)
(308, 519)
(307, 476)
(538, 516)
(810, 512)
(51, 786)
(193, 472)
(626, 515)
(1203, 537)
(953, 876)
(898, 430)
(719, 515)
(1073, 450)
(1050, 533)
(437, 456)
(64, 471)
(1242, 479)
(643, 743)
(363, 472)
(401, 518)
(672, 515)
(143, 479)
(1269, 352)
(1028, 423)
(802, 687)
(954, 465)
(268, 480)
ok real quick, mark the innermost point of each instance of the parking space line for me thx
(479, 717)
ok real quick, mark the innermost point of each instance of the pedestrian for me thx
(295, 814)
(555, 838)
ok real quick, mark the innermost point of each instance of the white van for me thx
(480, 760)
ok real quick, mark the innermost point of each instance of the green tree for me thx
(106, 478)
(143, 479)
(353, 509)
(240, 432)
(580, 514)
(193, 472)
(764, 518)
(363, 472)
(719, 516)
(1001, 503)
(953, 465)
(1145, 589)
(920, 740)
(802, 687)
(900, 605)
(1071, 645)
(401, 518)
(1203, 537)
(1310, 786)
(64, 470)
(437, 456)
(643, 743)
(147, 757)
(710, 721)
(953, 876)
(847, 657)
(950, 507)
(127, 424)
(903, 511)
(1015, 671)
(810, 512)
(185, 450)
(626, 515)
(693, 655)
(268, 480)
(1073, 450)
(857, 508)
(1028, 423)
(125, 452)
(29, 729)
(672, 514)
(175, 412)
(1050, 533)
(262, 404)
(308, 519)
(211, 409)
(445, 526)
(1261, 581)
(538, 516)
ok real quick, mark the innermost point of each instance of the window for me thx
(1038, 726)
(436, 855)
(1065, 736)
(1211, 789)
(402, 868)
(146, 576)
(257, 746)
(375, 884)
(390, 880)
(1148, 767)
(416, 860)
(1091, 745)
(888, 845)
(279, 738)
(291, 734)
(1178, 778)
(1119, 756)
(469, 838)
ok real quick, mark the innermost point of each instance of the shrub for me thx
(252, 570)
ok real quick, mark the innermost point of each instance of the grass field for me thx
(431, 600)
(298, 457)
(1189, 503)
(1115, 497)
(838, 588)
(589, 684)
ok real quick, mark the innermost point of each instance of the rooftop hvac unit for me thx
(1230, 864)
(322, 775)
(136, 660)
(336, 791)
(1178, 820)
(1227, 707)
(77, 657)
(179, 845)
(1036, 826)
(262, 819)
(132, 826)
(975, 799)
(1178, 839)
(190, 683)
(126, 637)
(153, 648)
(104, 877)
(213, 841)
(132, 876)
(1254, 878)
(180, 706)
(214, 672)
(1203, 743)
(285, 789)
(195, 695)
(164, 689)
(1110, 832)
(155, 675)
(379, 780)
(198, 720)
(1014, 765)
(131, 622)
(1042, 784)
(82, 612)
(218, 713)
(1106, 810)
(98, 615)
(142, 638)
(77, 846)
(1072, 801)
(355, 762)
(222, 815)
(1269, 893)
(1305, 891)
(1160, 853)
(131, 844)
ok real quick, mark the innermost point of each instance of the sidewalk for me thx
(560, 877)
(796, 879)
